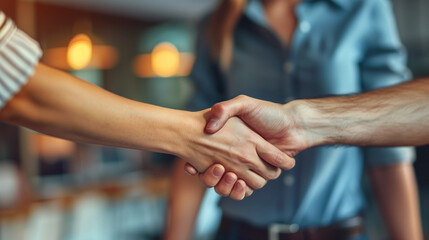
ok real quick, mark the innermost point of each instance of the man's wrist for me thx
(310, 121)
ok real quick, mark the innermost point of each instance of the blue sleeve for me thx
(384, 60)
(205, 76)
(383, 65)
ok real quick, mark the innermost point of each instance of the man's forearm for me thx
(387, 117)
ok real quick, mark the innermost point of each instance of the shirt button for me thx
(288, 180)
(288, 67)
(304, 26)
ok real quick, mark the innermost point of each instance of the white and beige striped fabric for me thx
(19, 54)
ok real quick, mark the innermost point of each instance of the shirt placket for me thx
(290, 91)
(302, 30)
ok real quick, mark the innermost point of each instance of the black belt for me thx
(342, 230)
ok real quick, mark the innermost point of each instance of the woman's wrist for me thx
(187, 132)
(194, 145)
(179, 128)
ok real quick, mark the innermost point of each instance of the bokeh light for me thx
(165, 59)
(79, 52)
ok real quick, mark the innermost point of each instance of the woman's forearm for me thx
(61, 105)
(392, 116)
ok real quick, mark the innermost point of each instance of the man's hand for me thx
(274, 122)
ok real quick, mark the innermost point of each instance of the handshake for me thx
(252, 147)
(246, 141)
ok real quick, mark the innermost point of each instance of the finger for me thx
(261, 166)
(221, 112)
(213, 175)
(254, 180)
(225, 186)
(249, 191)
(264, 169)
(274, 156)
(189, 169)
(239, 190)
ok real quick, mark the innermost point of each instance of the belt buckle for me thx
(274, 230)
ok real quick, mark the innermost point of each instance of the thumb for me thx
(189, 169)
(221, 112)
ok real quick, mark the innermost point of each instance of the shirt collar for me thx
(254, 8)
(339, 3)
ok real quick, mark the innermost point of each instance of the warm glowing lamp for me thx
(79, 52)
(165, 59)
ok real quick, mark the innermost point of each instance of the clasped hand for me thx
(273, 144)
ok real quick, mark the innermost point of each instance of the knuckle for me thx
(245, 158)
(219, 108)
(241, 97)
(205, 182)
(260, 184)
(209, 183)
(221, 192)
(290, 164)
(278, 160)
(235, 197)
(230, 178)
(293, 162)
(272, 174)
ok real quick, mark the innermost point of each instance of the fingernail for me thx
(229, 179)
(217, 172)
(213, 123)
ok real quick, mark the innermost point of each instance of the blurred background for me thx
(55, 189)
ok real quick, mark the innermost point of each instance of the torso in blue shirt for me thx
(339, 47)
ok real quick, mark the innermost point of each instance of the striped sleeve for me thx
(18, 56)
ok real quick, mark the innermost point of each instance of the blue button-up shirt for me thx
(339, 47)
